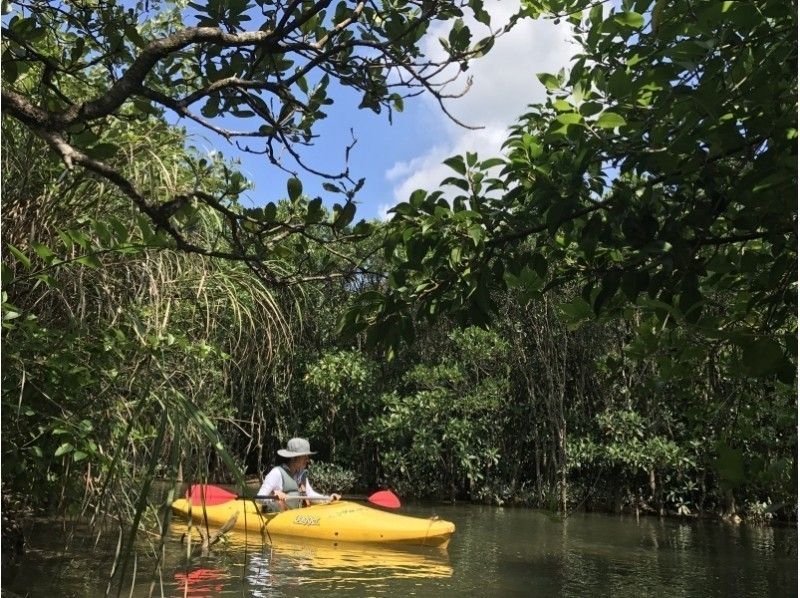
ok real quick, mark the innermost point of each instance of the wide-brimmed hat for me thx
(296, 447)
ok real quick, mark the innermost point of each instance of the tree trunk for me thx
(655, 489)
(729, 511)
(562, 449)
(537, 456)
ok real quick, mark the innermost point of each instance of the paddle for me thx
(210, 495)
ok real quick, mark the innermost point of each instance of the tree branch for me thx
(131, 82)
(532, 230)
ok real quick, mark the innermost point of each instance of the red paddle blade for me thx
(199, 494)
(385, 498)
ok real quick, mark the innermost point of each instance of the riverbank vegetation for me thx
(603, 318)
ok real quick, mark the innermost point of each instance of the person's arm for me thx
(273, 484)
(314, 494)
(310, 492)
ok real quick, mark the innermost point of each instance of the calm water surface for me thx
(495, 552)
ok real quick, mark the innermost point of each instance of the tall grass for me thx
(123, 359)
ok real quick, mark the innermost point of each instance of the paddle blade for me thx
(385, 498)
(199, 494)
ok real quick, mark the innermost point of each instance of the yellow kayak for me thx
(340, 521)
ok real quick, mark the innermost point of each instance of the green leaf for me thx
(315, 212)
(89, 260)
(294, 188)
(558, 213)
(397, 102)
(596, 15)
(6, 274)
(551, 82)
(634, 282)
(345, 216)
(417, 198)
(761, 357)
(21, 257)
(480, 12)
(575, 312)
(270, 211)
(569, 118)
(483, 46)
(608, 288)
(457, 164)
(66, 239)
(619, 83)
(133, 34)
(610, 120)
(63, 449)
(492, 163)
(476, 233)
(102, 151)
(460, 183)
(539, 264)
(630, 19)
(590, 108)
(562, 105)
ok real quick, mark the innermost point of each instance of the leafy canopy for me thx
(256, 74)
(659, 176)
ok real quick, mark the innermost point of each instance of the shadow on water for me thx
(495, 552)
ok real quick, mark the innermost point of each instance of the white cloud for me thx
(504, 83)
(427, 171)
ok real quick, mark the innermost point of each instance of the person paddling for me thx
(290, 478)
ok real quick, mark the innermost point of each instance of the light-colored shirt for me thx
(274, 481)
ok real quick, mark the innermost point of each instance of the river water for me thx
(495, 552)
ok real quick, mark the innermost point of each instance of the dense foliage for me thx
(630, 264)
(660, 174)
(656, 186)
(72, 69)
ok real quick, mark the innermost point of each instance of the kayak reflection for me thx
(287, 562)
(381, 561)
(200, 582)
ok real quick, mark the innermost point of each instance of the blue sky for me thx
(396, 159)
(379, 147)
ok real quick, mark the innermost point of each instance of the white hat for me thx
(296, 447)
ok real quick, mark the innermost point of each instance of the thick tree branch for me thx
(131, 82)
(229, 82)
(21, 108)
(342, 25)
(160, 216)
(72, 156)
(745, 237)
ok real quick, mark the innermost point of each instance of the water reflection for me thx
(342, 565)
(355, 560)
(495, 552)
(201, 582)
(267, 569)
